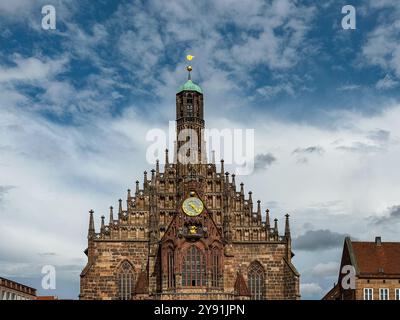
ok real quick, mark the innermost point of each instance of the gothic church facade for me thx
(189, 232)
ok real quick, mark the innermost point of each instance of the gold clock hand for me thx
(193, 206)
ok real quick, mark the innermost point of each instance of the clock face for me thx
(192, 206)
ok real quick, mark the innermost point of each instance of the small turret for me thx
(102, 227)
(259, 211)
(222, 166)
(137, 187)
(128, 199)
(91, 231)
(120, 209)
(111, 216)
(288, 239)
(145, 182)
(242, 188)
(233, 181)
(166, 157)
(153, 178)
(157, 166)
(276, 226)
(287, 227)
(267, 222)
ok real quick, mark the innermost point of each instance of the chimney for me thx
(378, 241)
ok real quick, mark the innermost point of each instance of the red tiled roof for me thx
(46, 298)
(375, 259)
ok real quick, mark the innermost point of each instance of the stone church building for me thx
(189, 232)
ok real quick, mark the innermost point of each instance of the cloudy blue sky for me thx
(76, 104)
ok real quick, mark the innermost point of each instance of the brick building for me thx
(11, 290)
(377, 271)
(189, 232)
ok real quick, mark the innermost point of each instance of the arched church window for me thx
(125, 281)
(256, 281)
(170, 269)
(215, 267)
(193, 268)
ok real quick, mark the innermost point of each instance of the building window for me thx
(215, 274)
(171, 271)
(383, 294)
(193, 268)
(256, 281)
(398, 294)
(368, 294)
(189, 110)
(125, 280)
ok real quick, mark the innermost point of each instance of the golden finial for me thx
(189, 67)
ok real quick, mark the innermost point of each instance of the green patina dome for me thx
(190, 86)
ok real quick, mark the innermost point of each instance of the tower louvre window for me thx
(256, 281)
(190, 110)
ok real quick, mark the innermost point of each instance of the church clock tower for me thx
(191, 151)
(188, 231)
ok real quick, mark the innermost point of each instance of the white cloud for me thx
(349, 87)
(9, 7)
(32, 69)
(381, 47)
(270, 92)
(386, 83)
(308, 290)
(326, 269)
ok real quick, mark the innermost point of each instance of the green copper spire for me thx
(190, 85)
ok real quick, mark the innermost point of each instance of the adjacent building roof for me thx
(10, 284)
(377, 258)
(46, 298)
